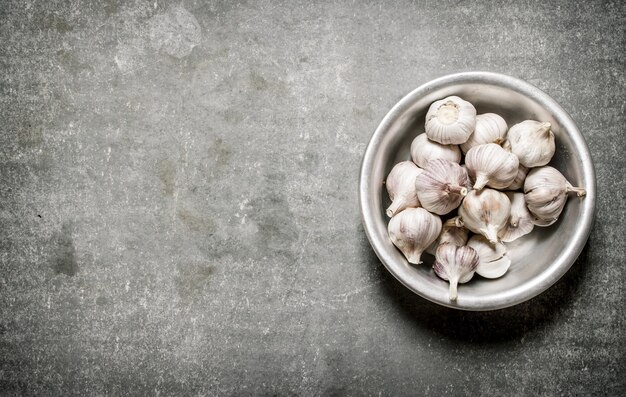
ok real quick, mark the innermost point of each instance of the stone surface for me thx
(178, 199)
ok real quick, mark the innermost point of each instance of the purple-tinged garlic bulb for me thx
(452, 232)
(532, 142)
(442, 186)
(490, 128)
(456, 265)
(412, 230)
(493, 261)
(401, 187)
(546, 191)
(423, 150)
(450, 121)
(520, 221)
(490, 165)
(485, 212)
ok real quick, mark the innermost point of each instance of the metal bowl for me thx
(538, 259)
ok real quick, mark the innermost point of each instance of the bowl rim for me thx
(516, 295)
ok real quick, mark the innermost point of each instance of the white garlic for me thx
(423, 150)
(401, 187)
(492, 259)
(450, 121)
(520, 221)
(490, 128)
(455, 264)
(546, 192)
(442, 186)
(452, 232)
(412, 230)
(532, 142)
(518, 182)
(490, 165)
(485, 212)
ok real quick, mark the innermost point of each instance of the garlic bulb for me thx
(532, 142)
(450, 121)
(520, 221)
(455, 264)
(546, 192)
(412, 230)
(485, 212)
(492, 259)
(442, 186)
(490, 165)
(423, 150)
(452, 232)
(518, 182)
(490, 128)
(401, 187)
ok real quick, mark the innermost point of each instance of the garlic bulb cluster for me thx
(532, 142)
(481, 201)
(456, 265)
(441, 186)
(412, 230)
(401, 187)
(545, 191)
(423, 150)
(490, 128)
(450, 121)
(490, 165)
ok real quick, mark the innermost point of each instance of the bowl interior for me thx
(538, 259)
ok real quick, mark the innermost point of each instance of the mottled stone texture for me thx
(178, 199)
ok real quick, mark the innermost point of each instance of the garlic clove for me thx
(490, 165)
(520, 221)
(494, 269)
(442, 186)
(532, 142)
(492, 259)
(456, 265)
(423, 150)
(485, 212)
(546, 191)
(401, 187)
(450, 121)
(412, 230)
(490, 128)
(518, 182)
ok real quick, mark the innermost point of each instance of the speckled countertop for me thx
(178, 199)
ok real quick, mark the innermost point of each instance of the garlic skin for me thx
(456, 265)
(546, 191)
(450, 121)
(485, 212)
(518, 182)
(532, 142)
(423, 150)
(412, 230)
(490, 128)
(401, 187)
(520, 221)
(490, 165)
(442, 186)
(492, 259)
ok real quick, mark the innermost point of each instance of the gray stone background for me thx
(178, 199)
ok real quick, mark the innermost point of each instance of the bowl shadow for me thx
(485, 327)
